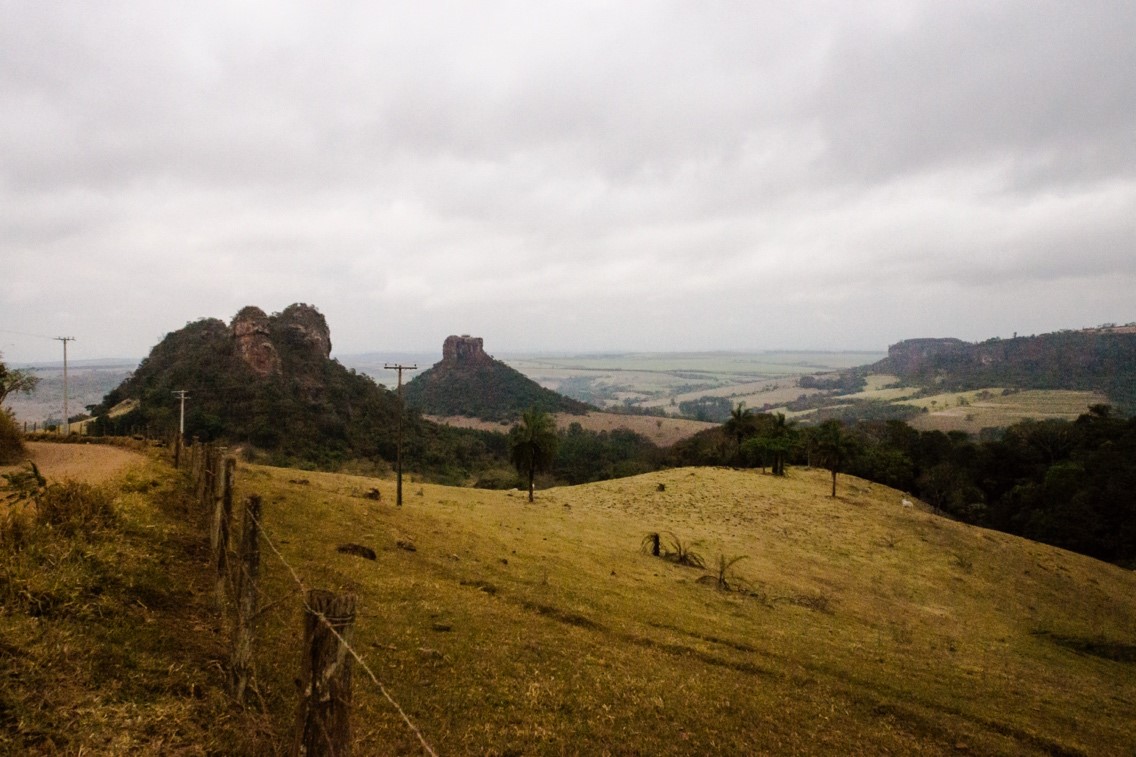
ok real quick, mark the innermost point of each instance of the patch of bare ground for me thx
(84, 463)
(661, 431)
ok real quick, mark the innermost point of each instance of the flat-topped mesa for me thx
(251, 332)
(464, 349)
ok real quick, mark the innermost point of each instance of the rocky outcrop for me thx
(913, 355)
(464, 349)
(252, 334)
(470, 383)
(303, 324)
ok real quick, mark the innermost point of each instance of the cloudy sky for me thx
(566, 175)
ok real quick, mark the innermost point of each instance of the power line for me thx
(25, 333)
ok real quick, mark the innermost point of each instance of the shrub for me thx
(74, 507)
(682, 553)
(11, 440)
(725, 572)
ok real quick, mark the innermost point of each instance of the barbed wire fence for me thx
(323, 720)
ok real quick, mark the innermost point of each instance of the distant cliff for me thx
(470, 383)
(1093, 359)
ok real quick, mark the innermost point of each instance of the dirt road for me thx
(90, 463)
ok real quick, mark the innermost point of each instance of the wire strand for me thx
(362, 663)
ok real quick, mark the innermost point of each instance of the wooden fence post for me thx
(247, 595)
(222, 523)
(323, 722)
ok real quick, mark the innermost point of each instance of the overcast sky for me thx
(566, 175)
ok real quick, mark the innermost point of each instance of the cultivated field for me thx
(853, 625)
(662, 431)
(662, 380)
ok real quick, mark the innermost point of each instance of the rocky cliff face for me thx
(252, 335)
(464, 349)
(306, 325)
(913, 355)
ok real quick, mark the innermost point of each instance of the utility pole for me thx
(401, 411)
(66, 411)
(182, 395)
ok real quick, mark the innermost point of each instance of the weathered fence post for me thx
(323, 722)
(222, 522)
(247, 595)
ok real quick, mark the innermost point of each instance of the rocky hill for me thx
(469, 382)
(263, 380)
(1102, 359)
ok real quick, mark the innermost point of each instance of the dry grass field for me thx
(854, 625)
(863, 626)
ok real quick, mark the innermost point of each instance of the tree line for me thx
(1071, 484)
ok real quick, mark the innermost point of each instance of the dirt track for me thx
(90, 463)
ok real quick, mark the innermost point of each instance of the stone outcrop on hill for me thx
(470, 383)
(266, 380)
(911, 355)
(254, 342)
(464, 349)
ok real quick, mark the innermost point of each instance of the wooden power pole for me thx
(66, 411)
(401, 412)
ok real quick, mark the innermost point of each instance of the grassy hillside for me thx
(863, 626)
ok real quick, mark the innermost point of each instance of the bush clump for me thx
(75, 507)
(11, 440)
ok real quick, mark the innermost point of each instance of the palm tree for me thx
(781, 435)
(533, 444)
(834, 447)
(740, 424)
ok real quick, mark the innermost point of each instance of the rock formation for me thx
(252, 334)
(464, 349)
(308, 326)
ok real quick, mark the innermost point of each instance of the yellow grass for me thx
(867, 628)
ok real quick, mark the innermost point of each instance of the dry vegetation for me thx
(855, 625)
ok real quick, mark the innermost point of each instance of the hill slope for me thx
(470, 383)
(866, 628)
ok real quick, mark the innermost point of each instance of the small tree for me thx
(15, 382)
(833, 447)
(533, 443)
(778, 436)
